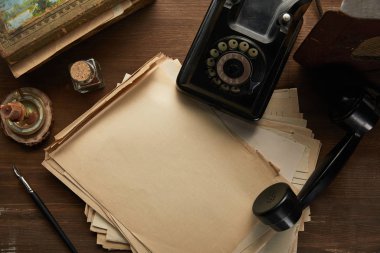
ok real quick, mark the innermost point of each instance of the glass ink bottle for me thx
(86, 76)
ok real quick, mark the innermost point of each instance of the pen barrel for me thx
(52, 220)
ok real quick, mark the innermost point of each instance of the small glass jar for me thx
(86, 75)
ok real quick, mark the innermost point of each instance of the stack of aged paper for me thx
(161, 172)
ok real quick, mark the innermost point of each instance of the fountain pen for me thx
(44, 210)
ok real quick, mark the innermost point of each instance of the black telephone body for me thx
(239, 53)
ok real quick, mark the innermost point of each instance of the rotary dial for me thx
(229, 65)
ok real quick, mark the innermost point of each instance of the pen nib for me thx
(15, 170)
(21, 178)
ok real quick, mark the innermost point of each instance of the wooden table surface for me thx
(345, 219)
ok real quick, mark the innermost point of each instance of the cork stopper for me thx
(81, 71)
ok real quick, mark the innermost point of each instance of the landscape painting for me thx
(16, 13)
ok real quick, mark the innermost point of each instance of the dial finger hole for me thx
(214, 53)
(235, 89)
(211, 72)
(252, 52)
(233, 44)
(243, 46)
(225, 87)
(216, 81)
(222, 46)
(211, 62)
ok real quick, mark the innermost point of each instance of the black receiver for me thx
(239, 53)
(277, 206)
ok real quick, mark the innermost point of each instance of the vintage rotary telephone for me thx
(239, 53)
(357, 109)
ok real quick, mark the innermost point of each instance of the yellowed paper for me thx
(102, 240)
(265, 141)
(78, 190)
(285, 127)
(112, 235)
(284, 103)
(270, 144)
(219, 198)
(258, 240)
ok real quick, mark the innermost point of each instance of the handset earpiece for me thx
(278, 206)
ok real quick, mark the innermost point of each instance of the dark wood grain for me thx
(345, 219)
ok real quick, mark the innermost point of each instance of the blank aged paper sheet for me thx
(164, 169)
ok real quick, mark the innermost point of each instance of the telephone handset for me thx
(278, 206)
